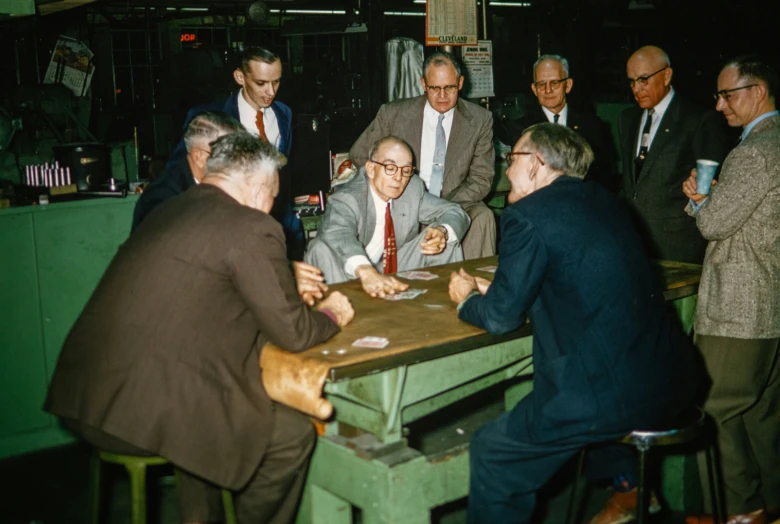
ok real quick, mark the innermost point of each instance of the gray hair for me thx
(555, 58)
(757, 68)
(440, 59)
(243, 155)
(387, 140)
(562, 149)
(208, 127)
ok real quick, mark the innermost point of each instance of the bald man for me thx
(661, 139)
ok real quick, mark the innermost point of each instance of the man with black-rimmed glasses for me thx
(384, 221)
(661, 139)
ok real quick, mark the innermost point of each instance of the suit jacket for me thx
(350, 219)
(469, 166)
(654, 195)
(739, 294)
(586, 124)
(165, 354)
(607, 355)
(174, 180)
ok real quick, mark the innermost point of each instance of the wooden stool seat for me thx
(136, 469)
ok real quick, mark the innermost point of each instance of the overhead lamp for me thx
(510, 4)
(403, 13)
(309, 11)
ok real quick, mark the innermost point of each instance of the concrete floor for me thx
(51, 487)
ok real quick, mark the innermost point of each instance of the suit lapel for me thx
(460, 134)
(666, 130)
(414, 125)
(629, 142)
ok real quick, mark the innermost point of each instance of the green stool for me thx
(136, 468)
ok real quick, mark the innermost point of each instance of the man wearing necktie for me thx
(452, 142)
(258, 74)
(661, 139)
(552, 83)
(383, 221)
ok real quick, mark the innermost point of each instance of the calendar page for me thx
(478, 60)
(71, 65)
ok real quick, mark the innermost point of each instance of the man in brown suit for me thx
(459, 131)
(164, 358)
(738, 313)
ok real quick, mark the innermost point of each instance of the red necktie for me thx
(391, 262)
(261, 126)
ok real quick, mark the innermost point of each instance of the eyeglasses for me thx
(554, 84)
(448, 90)
(392, 169)
(642, 80)
(204, 150)
(726, 93)
(511, 154)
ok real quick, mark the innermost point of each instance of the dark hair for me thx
(258, 54)
(439, 59)
(563, 149)
(245, 155)
(756, 67)
(386, 140)
(209, 126)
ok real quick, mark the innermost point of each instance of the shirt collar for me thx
(430, 112)
(562, 115)
(243, 105)
(663, 105)
(751, 125)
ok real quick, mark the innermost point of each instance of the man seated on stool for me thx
(164, 359)
(371, 227)
(608, 356)
(183, 172)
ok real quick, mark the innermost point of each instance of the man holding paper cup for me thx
(738, 313)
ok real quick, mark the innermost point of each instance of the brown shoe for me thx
(621, 508)
(757, 517)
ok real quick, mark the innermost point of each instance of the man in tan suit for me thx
(738, 314)
(164, 359)
(452, 142)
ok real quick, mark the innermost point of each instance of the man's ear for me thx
(569, 85)
(460, 83)
(238, 76)
(422, 82)
(668, 76)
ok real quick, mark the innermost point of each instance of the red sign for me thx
(188, 37)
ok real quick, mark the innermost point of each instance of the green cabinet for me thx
(51, 259)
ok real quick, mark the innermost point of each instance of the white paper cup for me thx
(705, 172)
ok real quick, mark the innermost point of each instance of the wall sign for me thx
(451, 22)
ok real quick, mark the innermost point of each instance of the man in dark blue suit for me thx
(608, 355)
(259, 74)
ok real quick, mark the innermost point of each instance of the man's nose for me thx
(720, 105)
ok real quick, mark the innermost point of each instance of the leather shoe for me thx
(757, 517)
(621, 508)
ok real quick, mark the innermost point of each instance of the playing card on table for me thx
(488, 269)
(417, 275)
(409, 294)
(371, 342)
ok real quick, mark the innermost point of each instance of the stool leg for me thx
(227, 503)
(641, 510)
(571, 511)
(94, 488)
(137, 474)
(717, 514)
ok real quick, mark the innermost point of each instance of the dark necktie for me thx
(261, 126)
(644, 143)
(556, 116)
(390, 254)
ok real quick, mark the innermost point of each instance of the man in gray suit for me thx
(738, 313)
(661, 139)
(354, 240)
(452, 142)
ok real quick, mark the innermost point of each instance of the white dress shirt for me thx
(563, 116)
(658, 114)
(428, 142)
(248, 117)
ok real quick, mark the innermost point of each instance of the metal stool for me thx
(687, 426)
(136, 468)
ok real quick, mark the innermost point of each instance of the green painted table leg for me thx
(94, 488)
(137, 472)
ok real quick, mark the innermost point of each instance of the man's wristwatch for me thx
(446, 233)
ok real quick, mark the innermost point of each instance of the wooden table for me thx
(433, 360)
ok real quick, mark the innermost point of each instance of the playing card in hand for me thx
(488, 269)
